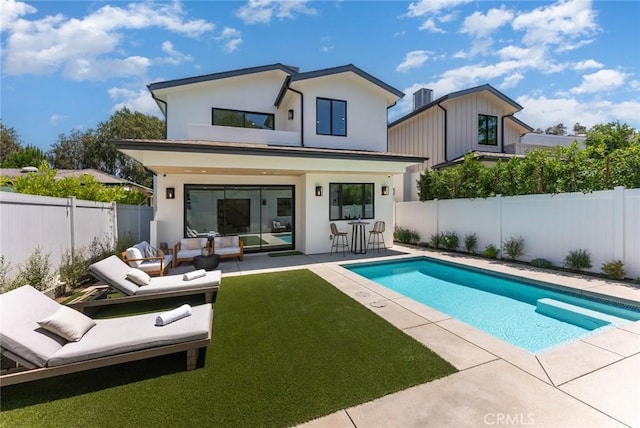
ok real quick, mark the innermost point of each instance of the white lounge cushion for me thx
(114, 271)
(222, 251)
(20, 333)
(67, 323)
(126, 334)
(138, 276)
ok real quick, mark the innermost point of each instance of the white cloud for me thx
(600, 81)
(430, 25)
(52, 43)
(54, 119)
(428, 7)
(413, 59)
(231, 38)
(558, 23)
(95, 69)
(11, 11)
(480, 25)
(175, 57)
(542, 112)
(136, 100)
(511, 81)
(586, 65)
(262, 11)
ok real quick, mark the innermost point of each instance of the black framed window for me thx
(350, 201)
(241, 119)
(331, 117)
(487, 130)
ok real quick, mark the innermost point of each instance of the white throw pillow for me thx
(226, 241)
(139, 277)
(133, 254)
(67, 323)
(193, 244)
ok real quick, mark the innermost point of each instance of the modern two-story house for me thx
(444, 130)
(272, 154)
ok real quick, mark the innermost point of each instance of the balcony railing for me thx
(231, 134)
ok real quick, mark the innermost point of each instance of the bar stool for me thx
(339, 239)
(376, 236)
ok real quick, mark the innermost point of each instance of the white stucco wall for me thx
(311, 212)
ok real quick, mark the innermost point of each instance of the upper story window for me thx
(331, 117)
(487, 130)
(241, 119)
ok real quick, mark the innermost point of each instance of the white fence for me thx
(58, 224)
(605, 223)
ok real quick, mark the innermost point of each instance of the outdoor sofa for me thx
(144, 257)
(46, 339)
(228, 247)
(187, 248)
(116, 274)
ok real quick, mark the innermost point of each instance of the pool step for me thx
(576, 315)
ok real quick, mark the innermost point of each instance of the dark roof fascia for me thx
(521, 123)
(260, 150)
(222, 75)
(283, 92)
(457, 94)
(345, 69)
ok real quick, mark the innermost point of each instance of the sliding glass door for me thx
(263, 216)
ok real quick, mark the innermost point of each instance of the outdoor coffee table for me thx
(207, 263)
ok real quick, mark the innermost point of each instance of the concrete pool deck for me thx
(587, 383)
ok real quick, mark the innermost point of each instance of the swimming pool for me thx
(286, 237)
(532, 317)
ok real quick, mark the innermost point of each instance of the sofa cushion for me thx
(188, 254)
(133, 256)
(67, 323)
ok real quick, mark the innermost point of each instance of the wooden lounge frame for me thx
(22, 374)
(90, 306)
(161, 271)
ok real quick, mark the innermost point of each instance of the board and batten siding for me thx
(462, 124)
(421, 135)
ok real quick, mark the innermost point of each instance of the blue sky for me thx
(68, 65)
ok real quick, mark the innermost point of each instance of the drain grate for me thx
(378, 304)
(363, 294)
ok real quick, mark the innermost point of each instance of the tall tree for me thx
(27, 156)
(9, 142)
(127, 124)
(605, 138)
(558, 129)
(579, 129)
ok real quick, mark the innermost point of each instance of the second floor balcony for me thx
(230, 134)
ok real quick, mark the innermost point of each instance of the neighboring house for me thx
(100, 176)
(478, 119)
(272, 154)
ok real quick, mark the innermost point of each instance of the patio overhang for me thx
(217, 158)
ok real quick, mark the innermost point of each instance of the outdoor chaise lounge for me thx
(40, 353)
(114, 271)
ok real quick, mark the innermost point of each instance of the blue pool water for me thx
(532, 317)
(286, 237)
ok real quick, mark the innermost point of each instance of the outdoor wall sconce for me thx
(171, 193)
(385, 190)
(290, 115)
(318, 190)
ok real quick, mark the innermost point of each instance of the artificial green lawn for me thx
(287, 347)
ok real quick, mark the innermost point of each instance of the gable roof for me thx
(462, 93)
(222, 75)
(349, 68)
